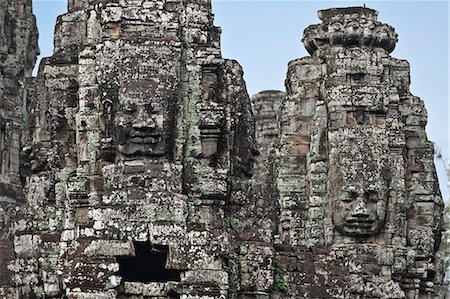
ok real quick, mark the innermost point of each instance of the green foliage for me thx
(280, 282)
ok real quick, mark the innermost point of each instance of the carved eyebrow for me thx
(107, 101)
(349, 197)
(346, 196)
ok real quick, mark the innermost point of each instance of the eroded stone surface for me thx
(18, 50)
(354, 169)
(137, 127)
(145, 173)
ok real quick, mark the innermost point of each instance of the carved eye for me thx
(148, 108)
(372, 195)
(351, 196)
(152, 108)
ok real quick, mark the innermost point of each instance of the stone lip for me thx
(349, 27)
(358, 10)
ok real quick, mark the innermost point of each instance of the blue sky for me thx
(265, 35)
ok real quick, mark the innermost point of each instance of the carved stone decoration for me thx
(266, 107)
(358, 29)
(134, 175)
(211, 123)
(349, 184)
(143, 114)
(37, 156)
(108, 152)
(133, 127)
(18, 51)
(359, 187)
(210, 137)
(140, 130)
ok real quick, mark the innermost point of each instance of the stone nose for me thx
(360, 209)
(143, 121)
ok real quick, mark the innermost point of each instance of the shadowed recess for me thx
(148, 265)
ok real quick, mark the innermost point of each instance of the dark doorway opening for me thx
(149, 264)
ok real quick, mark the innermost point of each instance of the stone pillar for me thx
(18, 52)
(137, 127)
(266, 105)
(355, 170)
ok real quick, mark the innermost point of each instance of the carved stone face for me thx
(139, 130)
(37, 161)
(37, 156)
(359, 210)
(358, 187)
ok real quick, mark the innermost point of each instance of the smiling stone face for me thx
(359, 179)
(359, 209)
(141, 108)
(139, 130)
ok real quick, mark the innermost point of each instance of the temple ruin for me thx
(135, 165)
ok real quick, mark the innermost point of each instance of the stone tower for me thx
(136, 175)
(137, 130)
(18, 51)
(355, 174)
(266, 105)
